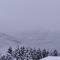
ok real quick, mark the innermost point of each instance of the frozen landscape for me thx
(40, 39)
(48, 40)
(29, 29)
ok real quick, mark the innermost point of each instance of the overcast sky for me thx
(28, 15)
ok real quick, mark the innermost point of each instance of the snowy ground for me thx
(51, 58)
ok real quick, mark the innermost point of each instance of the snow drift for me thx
(51, 58)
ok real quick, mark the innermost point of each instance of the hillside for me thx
(6, 41)
(49, 40)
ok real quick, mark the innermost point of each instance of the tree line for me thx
(23, 53)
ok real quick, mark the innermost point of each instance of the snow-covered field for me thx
(51, 58)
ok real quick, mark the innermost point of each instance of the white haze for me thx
(29, 15)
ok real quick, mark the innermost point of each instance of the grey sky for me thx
(26, 15)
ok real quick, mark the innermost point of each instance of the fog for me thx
(29, 15)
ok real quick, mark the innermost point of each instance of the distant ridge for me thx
(6, 41)
(40, 39)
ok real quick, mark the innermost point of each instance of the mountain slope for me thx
(6, 41)
(49, 40)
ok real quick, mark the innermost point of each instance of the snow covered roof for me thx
(51, 58)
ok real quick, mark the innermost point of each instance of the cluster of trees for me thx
(22, 53)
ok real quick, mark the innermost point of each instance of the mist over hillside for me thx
(6, 41)
(48, 40)
(43, 39)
